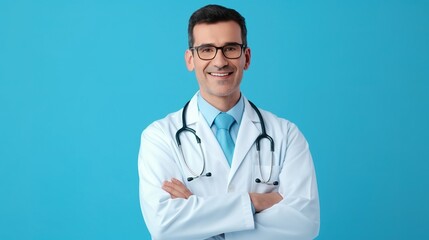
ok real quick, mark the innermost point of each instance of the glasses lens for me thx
(206, 52)
(232, 51)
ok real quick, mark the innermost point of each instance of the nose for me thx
(220, 60)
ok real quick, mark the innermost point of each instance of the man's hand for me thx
(262, 201)
(176, 189)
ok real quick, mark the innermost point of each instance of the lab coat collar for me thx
(192, 114)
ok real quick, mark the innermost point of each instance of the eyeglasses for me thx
(230, 51)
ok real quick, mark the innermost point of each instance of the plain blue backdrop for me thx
(80, 80)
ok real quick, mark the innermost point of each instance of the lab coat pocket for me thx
(265, 178)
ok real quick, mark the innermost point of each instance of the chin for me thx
(227, 93)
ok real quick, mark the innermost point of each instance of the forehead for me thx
(217, 33)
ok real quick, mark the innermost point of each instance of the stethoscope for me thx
(263, 135)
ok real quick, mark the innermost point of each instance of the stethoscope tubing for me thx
(263, 135)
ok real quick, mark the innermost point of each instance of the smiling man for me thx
(220, 168)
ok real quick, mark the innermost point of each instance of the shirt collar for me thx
(209, 112)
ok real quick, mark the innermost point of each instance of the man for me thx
(199, 179)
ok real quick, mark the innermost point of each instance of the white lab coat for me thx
(221, 204)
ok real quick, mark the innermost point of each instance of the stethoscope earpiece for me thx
(209, 174)
(275, 183)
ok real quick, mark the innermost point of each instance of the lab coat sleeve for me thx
(297, 216)
(193, 218)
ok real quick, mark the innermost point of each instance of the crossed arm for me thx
(260, 201)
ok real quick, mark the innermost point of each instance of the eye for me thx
(206, 49)
(231, 48)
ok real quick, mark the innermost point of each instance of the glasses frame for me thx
(242, 46)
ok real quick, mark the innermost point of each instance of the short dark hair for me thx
(213, 14)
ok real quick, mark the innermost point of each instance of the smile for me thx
(220, 74)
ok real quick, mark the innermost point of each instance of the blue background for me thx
(79, 80)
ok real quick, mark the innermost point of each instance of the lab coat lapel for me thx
(211, 147)
(192, 112)
(247, 134)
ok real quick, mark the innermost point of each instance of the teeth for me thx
(220, 74)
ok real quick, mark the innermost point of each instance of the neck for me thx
(224, 103)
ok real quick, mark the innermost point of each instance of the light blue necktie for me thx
(223, 122)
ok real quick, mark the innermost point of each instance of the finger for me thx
(277, 196)
(169, 188)
(175, 190)
(182, 190)
(181, 187)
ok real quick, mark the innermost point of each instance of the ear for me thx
(189, 59)
(247, 56)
